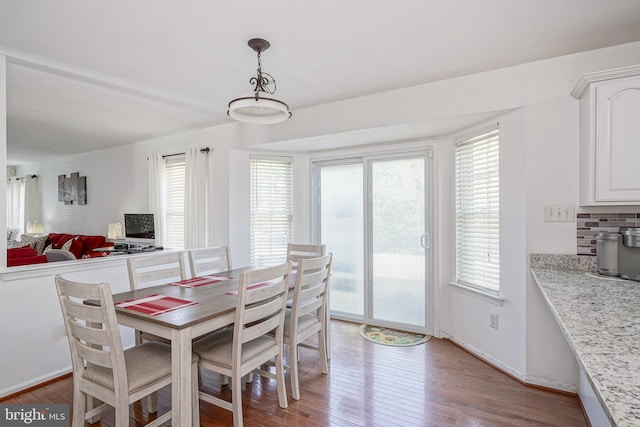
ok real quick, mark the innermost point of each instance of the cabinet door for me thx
(618, 140)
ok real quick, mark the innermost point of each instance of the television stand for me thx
(129, 249)
(140, 248)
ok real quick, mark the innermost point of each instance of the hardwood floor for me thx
(433, 384)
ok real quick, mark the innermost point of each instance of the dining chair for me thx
(307, 316)
(151, 270)
(297, 251)
(255, 339)
(101, 368)
(212, 260)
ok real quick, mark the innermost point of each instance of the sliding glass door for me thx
(396, 238)
(372, 213)
(342, 228)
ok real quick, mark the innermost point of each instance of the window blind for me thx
(271, 209)
(175, 188)
(477, 212)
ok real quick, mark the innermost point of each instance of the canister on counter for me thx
(607, 253)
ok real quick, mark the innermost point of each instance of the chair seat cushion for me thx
(217, 349)
(146, 364)
(305, 322)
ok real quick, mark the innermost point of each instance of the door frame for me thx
(366, 159)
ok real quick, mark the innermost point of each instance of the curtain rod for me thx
(24, 177)
(204, 150)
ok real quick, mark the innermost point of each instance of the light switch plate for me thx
(559, 213)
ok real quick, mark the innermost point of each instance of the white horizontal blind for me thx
(271, 209)
(175, 188)
(477, 212)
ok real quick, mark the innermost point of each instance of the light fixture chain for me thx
(263, 81)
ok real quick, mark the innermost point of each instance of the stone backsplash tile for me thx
(589, 224)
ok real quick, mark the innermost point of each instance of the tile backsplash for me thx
(589, 224)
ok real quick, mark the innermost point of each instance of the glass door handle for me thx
(424, 241)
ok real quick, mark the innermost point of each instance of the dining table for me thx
(181, 312)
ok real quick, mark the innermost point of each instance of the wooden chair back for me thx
(212, 260)
(297, 251)
(101, 369)
(258, 329)
(156, 269)
(94, 337)
(309, 308)
(310, 292)
(261, 309)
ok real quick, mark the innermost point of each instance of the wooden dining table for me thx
(214, 308)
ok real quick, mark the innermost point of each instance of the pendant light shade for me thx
(259, 106)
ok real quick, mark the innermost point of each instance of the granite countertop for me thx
(600, 317)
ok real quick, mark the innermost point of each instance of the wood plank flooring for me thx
(432, 384)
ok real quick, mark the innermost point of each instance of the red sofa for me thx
(78, 244)
(25, 255)
(81, 245)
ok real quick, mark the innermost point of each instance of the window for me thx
(174, 197)
(271, 209)
(477, 212)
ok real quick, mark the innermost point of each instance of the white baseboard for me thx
(526, 379)
(33, 382)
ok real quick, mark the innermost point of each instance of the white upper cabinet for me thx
(609, 137)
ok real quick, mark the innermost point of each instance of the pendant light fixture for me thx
(259, 106)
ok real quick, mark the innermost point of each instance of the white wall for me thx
(552, 178)
(34, 343)
(552, 171)
(469, 314)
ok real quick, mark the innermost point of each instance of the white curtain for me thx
(157, 195)
(195, 209)
(31, 199)
(15, 218)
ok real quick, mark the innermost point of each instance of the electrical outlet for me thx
(493, 320)
(559, 213)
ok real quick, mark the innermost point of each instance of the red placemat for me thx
(200, 281)
(155, 304)
(256, 286)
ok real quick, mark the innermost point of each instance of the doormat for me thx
(393, 337)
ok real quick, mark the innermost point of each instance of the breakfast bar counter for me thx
(600, 318)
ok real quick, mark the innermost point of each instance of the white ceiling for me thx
(83, 75)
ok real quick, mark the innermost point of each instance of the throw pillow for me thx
(59, 239)
(16, 245)
(67, 245)
(12, 233)
(77, 247)
(37, 242)
(90, 243)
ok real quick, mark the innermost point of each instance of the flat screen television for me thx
(140, 229)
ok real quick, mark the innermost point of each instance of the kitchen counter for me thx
(600, 318)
